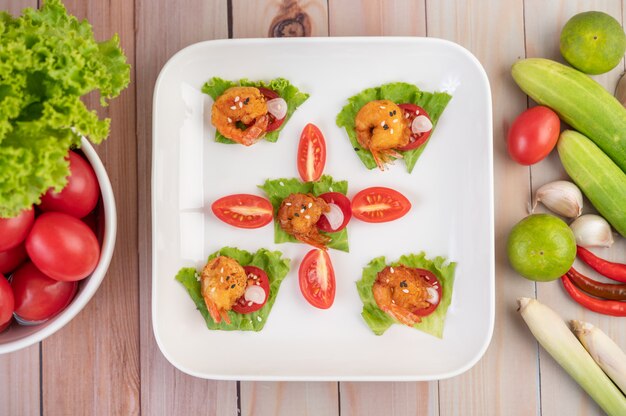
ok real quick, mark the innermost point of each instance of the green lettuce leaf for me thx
(378, 320)
(271, 262)
(279, 189)
(398, 92)
(292, 95)
(48, 61)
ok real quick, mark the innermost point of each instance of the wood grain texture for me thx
(377, 18)
(286, 399)
(163, 28)
(559, 393)
(254, 19)
(92, 365)
(398, 399)
(504, 382)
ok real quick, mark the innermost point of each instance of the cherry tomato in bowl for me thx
(411, 112)
(11, 258)
(7, 302)
(533, 135)
(243, 210)
(311, 153)
(317, 279)
(257, 282)
(14, 230)
(433, 286)
(379, 204)
(274, 123)
(339, 215)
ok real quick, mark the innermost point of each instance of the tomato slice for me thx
(432, 283)
(317, 279)
(379, 204)
(416, 140)
(243, 210)
(311, 153)
(274, 123)
(342, 204)
(256, 277)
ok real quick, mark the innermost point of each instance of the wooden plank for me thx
(284, 18)
(505, 380)
(163, 28)
(269, 398)
(559, 393)
(377, 18)
(92, 365)
(398, 399)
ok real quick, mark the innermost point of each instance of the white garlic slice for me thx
(561, 197)
(592, 230)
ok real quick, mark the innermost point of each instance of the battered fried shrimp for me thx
(381, 128)
(245, 105)
(298, 214)
(399, 291)
(222, 282)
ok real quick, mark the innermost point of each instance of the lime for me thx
(541, 247)
(593, 42)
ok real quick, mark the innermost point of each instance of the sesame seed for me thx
(330, 188)
(391, 131)
(257, 283)
(221, 280)
(232, 286)
(213, 289)
(407, 115)
(391, 114)
(405, 290)
(258, 318)
(382, 107)
(237, 98)
(296, 214)
(281, 183)
(387, 281)
(382, 124)
(392, 270)
(308, 217)
(254, 277)
(222, 270)
(230, 120)
(246, 101)
(233, 107)
(250, 303)
(393, 301)
(288, 204)
(395, 120)
(310, 204)
(240, 104)
(302, 210)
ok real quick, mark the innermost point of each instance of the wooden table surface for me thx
(106, 361)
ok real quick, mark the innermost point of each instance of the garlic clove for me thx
(561, 197)
(592, 230)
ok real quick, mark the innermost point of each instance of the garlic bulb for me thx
(592, 231)
(561, 197)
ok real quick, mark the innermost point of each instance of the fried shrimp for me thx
(381, 128)
(298, 214)
(222, 282)
(400, 291)
(244, 105)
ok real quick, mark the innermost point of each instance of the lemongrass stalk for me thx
(603, 350)
(557, 339)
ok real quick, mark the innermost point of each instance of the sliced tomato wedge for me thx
(317, 279)
(434, 290)
(274, 123)
(243, 210)
(416, 140)
(340, 212)
(311, 153)
(379, 204)
(256, 278)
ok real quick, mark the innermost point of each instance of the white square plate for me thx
(451, 190)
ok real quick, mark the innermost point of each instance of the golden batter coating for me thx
(298, 214)
(241, 104)
(222, 282)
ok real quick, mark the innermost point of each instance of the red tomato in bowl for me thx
(256, 277)
(14, 230)
(80, 195)
(38, 297)
(11, 258)
(311, 153)
(533, 135)
(7, 302)
(63, 247)
(243, 210)
(379, 204)
(317, 279)
(343, 208)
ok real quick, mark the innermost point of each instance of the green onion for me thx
(556, 338)
(603, 350)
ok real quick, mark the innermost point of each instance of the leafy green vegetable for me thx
(279, 189)
(378, 320)
(292, 95)
(48, 60)
(398, 92)
(271, 262)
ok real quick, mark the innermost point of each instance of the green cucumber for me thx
(579, 100)
(601, 180)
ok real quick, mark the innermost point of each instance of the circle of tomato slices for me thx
(311, 153)
(317, 279)
(416, 139)
(257, 277)
(343, 204)
(274, 123)
(243, 210)
(431, 282)
(379, 204)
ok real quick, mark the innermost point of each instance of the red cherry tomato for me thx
(80, 195)
(343, 203)
(243, 210)
(416, 139)
(432, 282)
(63, 247)
(7, 302)
(14, 230)
(311, 153)
(533, 135)
(256, 277)
(38, 297)
(379, 204)
(13, 257)
(317, 279)
(274, 123)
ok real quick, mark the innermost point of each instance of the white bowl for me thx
(18, 336)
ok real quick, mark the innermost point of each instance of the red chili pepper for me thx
(598, 289)
(615, 271)
(606, 307)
